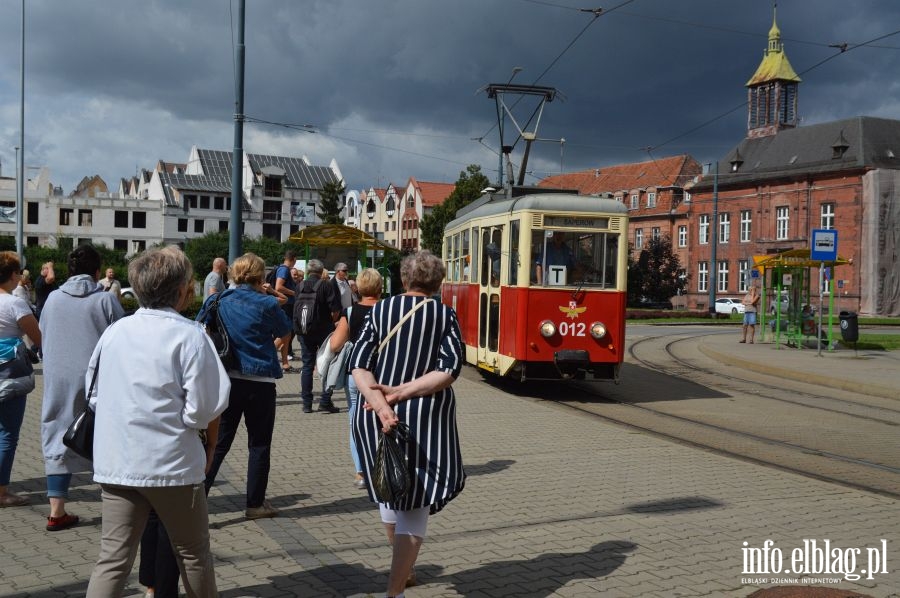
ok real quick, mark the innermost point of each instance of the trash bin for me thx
(849, 326)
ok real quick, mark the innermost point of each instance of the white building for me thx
(175, 203)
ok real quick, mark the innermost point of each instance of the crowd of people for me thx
(166, 419)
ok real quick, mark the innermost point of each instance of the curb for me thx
(866, 388)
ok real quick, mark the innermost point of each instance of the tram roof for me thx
(493, 204)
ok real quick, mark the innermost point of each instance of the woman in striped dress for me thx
(409, 381)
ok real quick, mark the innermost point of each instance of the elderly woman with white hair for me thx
(159, 383)
(408, 380)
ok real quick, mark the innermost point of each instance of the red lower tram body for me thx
(541, 333)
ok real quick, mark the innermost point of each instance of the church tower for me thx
(772, 91)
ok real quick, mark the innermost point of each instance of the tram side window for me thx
(448, 257)
(465, 255)
(514, 253)
(491, 242)
(455, 257)
(473, 263)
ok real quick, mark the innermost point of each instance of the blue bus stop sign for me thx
(824, 245)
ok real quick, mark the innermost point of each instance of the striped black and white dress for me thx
(430, 340)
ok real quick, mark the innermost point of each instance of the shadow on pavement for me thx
(537, 577)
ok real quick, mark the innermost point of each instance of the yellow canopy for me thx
(794, 258)
(338, 235)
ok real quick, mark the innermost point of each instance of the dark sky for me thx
(391, 87)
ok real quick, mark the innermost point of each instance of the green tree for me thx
(331, 202)
(656, 275)
(203, 250)
(468, 188)
(270, 250)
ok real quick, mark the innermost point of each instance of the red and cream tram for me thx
(538, 282)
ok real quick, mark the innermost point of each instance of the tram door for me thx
(491, 270)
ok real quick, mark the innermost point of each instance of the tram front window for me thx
(573, 258)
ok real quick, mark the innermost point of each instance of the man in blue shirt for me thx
(284, 284)
(558, 254)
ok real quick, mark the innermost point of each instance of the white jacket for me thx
(159, 383)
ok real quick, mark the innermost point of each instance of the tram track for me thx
(760, 423)
(760, 388)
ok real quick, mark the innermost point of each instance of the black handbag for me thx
(216, 330)
(79, 437)
(391, 479)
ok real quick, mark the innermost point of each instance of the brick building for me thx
(654, 192)
(783, 181)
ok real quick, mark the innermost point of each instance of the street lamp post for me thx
(713, 267)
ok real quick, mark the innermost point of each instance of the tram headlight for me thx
(548, 328)
(598, 330)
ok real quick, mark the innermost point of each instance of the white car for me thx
(729, 306)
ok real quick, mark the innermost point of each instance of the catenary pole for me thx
(20, 186)
(237, 158)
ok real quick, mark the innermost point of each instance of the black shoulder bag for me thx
(216, 330)
(79, 438)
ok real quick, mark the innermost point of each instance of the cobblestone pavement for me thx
(556, 504)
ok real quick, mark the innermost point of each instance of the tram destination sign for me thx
(575, 222)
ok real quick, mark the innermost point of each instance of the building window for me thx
(121, 219)
(273, 186)
(389, 206)
(138, 220)
(782, 219)
(138, 246)
(651, 200)
(191, 201)
(654, 233)
(223, 226)
(743, 274)
(370, 208)
(85, 217)
(704, 229)
(31, 241)
(682, 235)
(827, 217)
(411, 201)
(745, 226)
(204, 202)
(33, 212)
(120, 244)
(703, 277)
(219, 202)
(722, 277)
(638, 238)
(724, 228)
(634, 202)
(65, 216)
(182, 225)
(198, 225)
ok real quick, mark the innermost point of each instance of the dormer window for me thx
(736, 161)
(390, 206)
(370, 208)
(839, 147)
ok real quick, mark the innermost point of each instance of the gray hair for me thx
(314, 267)
(422, 271)
(159, 275)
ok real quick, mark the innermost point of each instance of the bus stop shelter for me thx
(333, 243)
(791, 275)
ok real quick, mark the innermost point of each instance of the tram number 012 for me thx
(572, 328)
